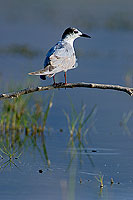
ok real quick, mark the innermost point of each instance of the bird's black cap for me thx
(68, 31)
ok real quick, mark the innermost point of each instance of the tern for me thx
(61, 57)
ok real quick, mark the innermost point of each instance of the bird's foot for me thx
(58, 84)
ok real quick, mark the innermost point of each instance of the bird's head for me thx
(73, 33)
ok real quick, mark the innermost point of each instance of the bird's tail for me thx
(40, 72)
(43, 77)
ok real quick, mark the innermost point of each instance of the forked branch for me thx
(68, 85)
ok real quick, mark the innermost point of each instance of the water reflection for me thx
(18, 132)
(22, 128)
(106, 59)
(124, 122)
(8, 157)
(22, 124)
(79, 133)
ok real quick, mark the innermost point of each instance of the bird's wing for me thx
(62, 58)
(59, 58)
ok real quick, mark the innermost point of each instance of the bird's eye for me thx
(75, 31)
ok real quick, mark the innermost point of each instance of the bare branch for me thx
(69, 85)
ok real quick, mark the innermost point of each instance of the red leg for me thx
(65, 79)
(54, 80)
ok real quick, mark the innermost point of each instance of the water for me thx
(106, 58)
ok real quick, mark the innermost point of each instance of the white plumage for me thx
(61, 57)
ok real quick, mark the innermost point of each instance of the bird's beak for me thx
(85, 35)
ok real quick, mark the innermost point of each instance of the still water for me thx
(28, 30)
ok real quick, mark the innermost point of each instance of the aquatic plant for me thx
(17, 114)
(79, 124)
(100, 179)
(124, 122)
(10, 154)
(111, 181)
(77, 121)
(22, 120)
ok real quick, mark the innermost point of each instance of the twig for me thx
(69, 85)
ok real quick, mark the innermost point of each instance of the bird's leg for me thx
(65, 79)
(56, 84)
(54, 80)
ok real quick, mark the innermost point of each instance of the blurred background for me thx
(28, 29)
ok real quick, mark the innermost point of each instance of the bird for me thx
(61, 57)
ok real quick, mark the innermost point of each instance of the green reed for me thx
(79, 124)
(22, 120)
(24, 114)
(8, 155)
(77, 121)
(100, 179)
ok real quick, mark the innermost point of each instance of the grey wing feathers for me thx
(59, 58)
(63, 58)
